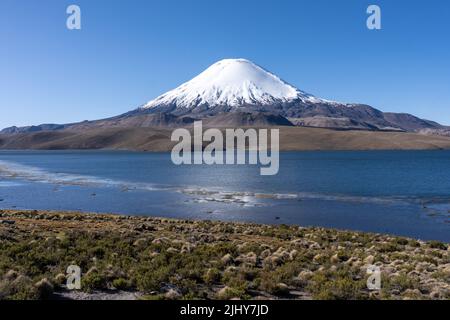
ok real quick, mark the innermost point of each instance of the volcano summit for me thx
(233, 84)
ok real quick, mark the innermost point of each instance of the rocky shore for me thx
(123, 257)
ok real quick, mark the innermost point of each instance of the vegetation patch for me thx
(174, 259)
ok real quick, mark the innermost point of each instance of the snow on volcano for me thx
(233, 83)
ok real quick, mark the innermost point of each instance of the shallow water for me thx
(399, 192)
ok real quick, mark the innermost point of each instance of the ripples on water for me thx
(221, 190)
(10, 170)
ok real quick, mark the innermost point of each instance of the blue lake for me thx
(397, 192)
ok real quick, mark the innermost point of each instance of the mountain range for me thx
(237, 92)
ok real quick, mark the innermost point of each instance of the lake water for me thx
(398, 192)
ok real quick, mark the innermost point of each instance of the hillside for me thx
(158, 139)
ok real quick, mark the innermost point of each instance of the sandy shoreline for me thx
(157, 258)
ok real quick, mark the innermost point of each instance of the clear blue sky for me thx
(128, 52)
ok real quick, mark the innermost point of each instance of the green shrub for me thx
(400, 283)
(437, 245)
(401, 241)
(121, 284)
(21, 288)
(232, 292)
(93, 281)
(212, 276)
(339, 285)
(389, 247)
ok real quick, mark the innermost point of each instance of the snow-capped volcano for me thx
(235, 90)
(236, 93)
(232, 83)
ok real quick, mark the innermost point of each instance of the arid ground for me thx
(125, 257)
(158, 139)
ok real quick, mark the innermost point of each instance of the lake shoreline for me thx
(391, 192)
(161, 258)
